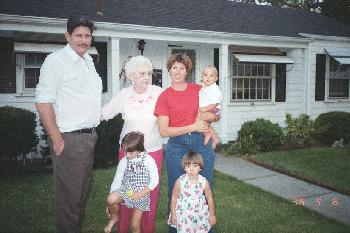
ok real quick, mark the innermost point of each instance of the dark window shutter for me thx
(101, 63)
(280, 83)
(320, 76)
(216, 62)
(7, 66)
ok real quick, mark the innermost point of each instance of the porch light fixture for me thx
(99, 7)
(141, 46)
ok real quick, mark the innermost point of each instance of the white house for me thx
(271, 60)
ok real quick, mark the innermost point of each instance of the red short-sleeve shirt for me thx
(180, 106)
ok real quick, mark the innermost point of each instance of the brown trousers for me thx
(72, 177)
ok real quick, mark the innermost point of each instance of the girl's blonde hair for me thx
(192, 157)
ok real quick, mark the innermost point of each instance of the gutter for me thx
(107, 29)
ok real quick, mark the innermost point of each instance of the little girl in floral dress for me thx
(192, 208)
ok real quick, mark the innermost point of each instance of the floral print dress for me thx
(192, 213)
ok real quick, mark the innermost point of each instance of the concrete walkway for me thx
(327, 202)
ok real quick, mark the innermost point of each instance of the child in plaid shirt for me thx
(136, 176)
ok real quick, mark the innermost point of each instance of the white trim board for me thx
(263, 58)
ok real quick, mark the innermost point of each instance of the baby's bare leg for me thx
(135, 224)
(209, 116)
(214, 137)
(113, 201)
(207, 136)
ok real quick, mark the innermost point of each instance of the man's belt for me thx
(86, 130)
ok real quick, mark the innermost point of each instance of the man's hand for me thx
(48, 118)
(58, 145)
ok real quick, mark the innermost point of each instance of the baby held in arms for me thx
(209, 101)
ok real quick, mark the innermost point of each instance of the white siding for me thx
(273, 111)
(300, 84)
(318, 107)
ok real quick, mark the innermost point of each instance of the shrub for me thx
(245, 143)
(298, 131)
(332, 126)
(108, 142)
(259, 135)
(17, 134)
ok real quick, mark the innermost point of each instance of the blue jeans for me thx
(177, 147)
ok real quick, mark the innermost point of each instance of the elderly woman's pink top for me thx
(137, 112)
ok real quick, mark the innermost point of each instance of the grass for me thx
(26, 207)
(329, 167)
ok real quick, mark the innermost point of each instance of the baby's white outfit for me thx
(210, 95)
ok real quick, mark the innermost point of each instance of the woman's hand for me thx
(208, 116)
(212, 220)
(107, 213)
(173, 219)
(200, 125)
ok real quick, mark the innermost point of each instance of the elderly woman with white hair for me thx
(136, 103)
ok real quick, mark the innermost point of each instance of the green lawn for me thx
(26, 207)
(329, 167)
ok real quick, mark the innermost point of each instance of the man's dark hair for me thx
(75, 21)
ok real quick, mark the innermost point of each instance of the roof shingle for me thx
(208, 15)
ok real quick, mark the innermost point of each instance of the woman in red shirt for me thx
(178, 119)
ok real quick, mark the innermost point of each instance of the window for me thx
(29, 59)
(28, 71)
(332, 78)
(339, 77)
(251, 81)
(32, 65)
(259, 77)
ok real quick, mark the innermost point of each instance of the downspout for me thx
(307, 70)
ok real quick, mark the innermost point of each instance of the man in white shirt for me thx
(68, 99)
